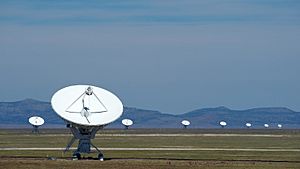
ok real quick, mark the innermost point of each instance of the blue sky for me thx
(172, 55)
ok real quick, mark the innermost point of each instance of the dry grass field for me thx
(155, 148)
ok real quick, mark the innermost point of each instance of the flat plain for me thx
(155, 148)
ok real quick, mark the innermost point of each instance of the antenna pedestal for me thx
(84, 135)
(84, 146)
(35, 129)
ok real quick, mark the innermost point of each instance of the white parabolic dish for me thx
(36, 121)
(223, 123)
(248, 124)
(266, 125)
(185, 122)
(127, 122)
(87, 105)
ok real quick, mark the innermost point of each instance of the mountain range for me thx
(16, 114)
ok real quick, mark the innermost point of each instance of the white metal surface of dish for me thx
(87, 105)
(127, 122)
(223, 123)
(279, 126)
(185, 122)
(36, 121)
(266, 125)
(248, 124)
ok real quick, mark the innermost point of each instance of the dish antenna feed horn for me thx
(86, 109)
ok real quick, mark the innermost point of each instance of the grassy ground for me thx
(144, 164)
(168, 138)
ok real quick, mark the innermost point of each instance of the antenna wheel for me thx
(100, 157)
(77, 156)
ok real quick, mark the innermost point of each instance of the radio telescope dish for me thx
(266, 125)
(86, 105)
(223, 124)
(86, 109)
(36, 121)
(279, 126)
(127, 123)
(185, 123)
(248, 125)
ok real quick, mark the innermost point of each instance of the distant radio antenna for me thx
(223, 124)
(127, 123)
(185, 123)
(36, 121)
(279, 126)
(266, 125)
(248, 125)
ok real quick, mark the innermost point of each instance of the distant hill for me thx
(16, 114)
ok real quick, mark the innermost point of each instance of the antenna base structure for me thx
(84, 134)
(35, 129)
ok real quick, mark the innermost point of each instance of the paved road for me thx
(163, 149)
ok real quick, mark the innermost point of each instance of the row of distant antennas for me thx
(248, 125)
(37, 121)
(128, 122)
(223, 124)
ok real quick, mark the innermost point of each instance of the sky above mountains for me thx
(171, 55)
